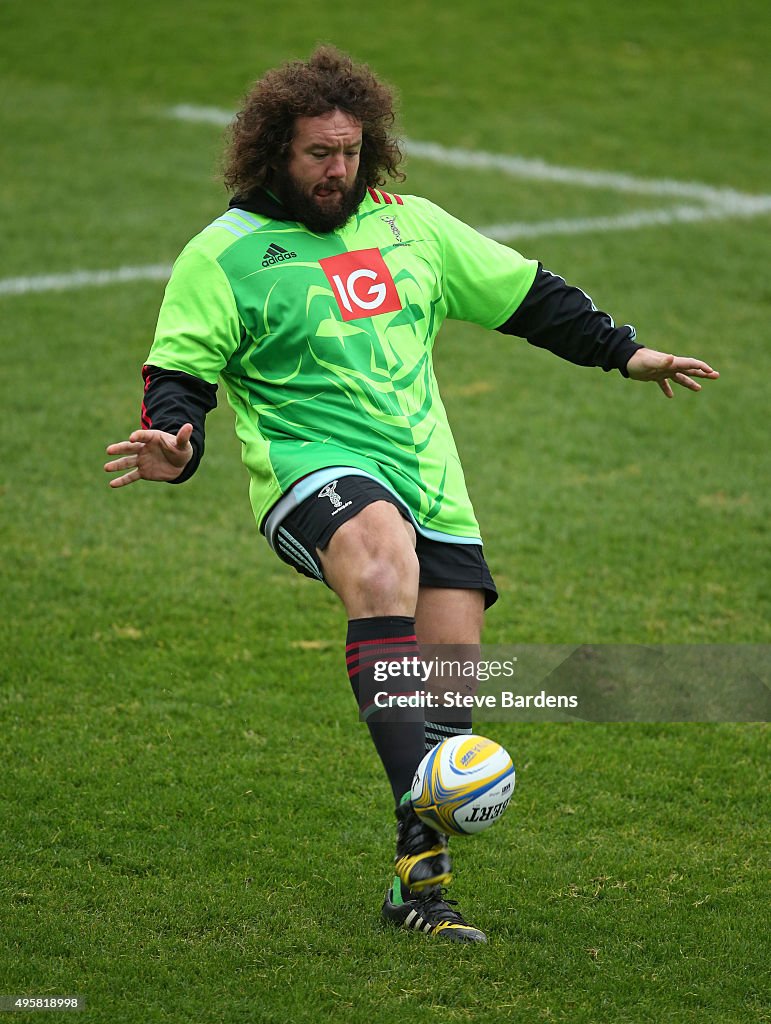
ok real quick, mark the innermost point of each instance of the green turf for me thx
(194, 827)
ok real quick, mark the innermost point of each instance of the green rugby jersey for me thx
(324, 343)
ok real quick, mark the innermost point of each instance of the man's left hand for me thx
(648, 364)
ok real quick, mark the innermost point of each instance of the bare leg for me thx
(449, 627)
(370, 563)
(446, 616)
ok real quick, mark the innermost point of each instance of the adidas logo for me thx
(275, 254)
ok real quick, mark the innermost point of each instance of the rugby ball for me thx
(463, 785)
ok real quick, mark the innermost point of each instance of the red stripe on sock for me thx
(387, 654)
(355, 670)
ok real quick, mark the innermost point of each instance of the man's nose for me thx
(336, 166)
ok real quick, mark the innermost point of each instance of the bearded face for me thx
(320, 185)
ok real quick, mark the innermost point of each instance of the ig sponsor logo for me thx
(362, 284)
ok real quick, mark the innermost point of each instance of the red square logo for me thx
(362, 283)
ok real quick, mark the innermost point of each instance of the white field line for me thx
(200, 115)
(517, 166)
(82, 279)
(507, 232)
(715, 204)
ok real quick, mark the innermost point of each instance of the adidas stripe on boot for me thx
(431, 914)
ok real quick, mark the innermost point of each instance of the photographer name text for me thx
(456, 699)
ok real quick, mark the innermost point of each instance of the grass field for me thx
(194, 827)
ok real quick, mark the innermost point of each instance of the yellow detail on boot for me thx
(404, 867)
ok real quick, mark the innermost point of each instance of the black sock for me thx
(398, 733)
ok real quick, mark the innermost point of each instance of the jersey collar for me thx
(261, 202)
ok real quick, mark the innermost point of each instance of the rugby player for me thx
(315, 300)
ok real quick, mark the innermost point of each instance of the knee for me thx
(371, 563)
(389, 574)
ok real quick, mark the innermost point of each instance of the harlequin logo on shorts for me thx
(362, 283)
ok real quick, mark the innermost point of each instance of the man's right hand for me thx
(151, 455)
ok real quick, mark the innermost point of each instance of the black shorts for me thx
(313, 522)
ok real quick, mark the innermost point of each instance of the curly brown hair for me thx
(329, 80)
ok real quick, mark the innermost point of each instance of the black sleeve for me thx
(563, 319)
(173, 398)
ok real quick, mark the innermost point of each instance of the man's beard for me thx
(303, 207)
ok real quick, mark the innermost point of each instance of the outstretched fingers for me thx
(684, 369)
(122, 447)
(683, 365)
(663, 368)
(684, 381)
(127, 478)
(151, 455)
(125, 462)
